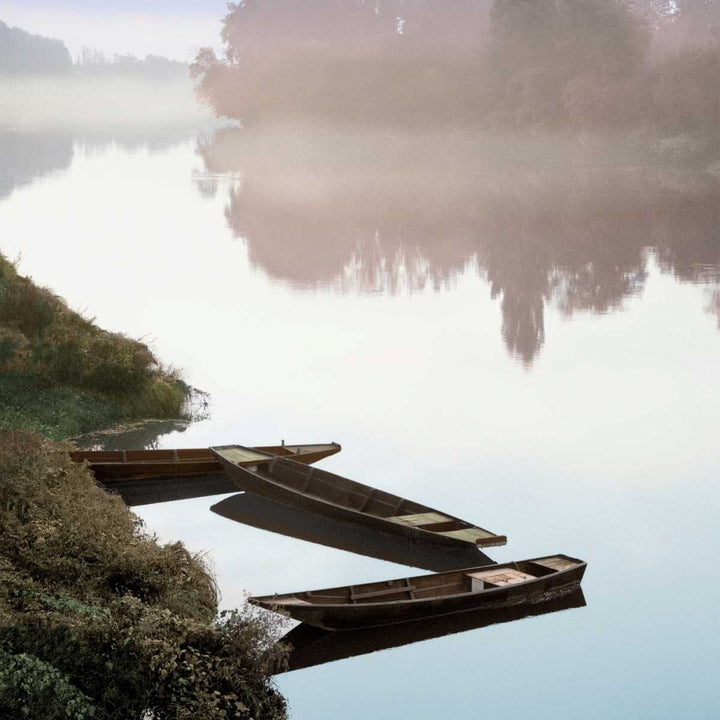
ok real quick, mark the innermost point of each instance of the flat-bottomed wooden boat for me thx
(318, 491)
(138, 464)
(427, 596)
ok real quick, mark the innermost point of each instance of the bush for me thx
(33, 689)
(99, 620)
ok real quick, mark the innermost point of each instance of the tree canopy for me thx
(24, 53)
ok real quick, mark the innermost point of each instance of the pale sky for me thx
(174, 30)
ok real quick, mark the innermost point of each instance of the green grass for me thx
(61, 375)
(55, 412)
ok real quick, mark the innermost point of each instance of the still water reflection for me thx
(277, 518)
(532, 345)
(543, 227)
(315, 646)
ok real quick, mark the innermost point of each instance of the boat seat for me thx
(555, 563)
(498, 577)
(242, 454)
(471, 534)
(420, 519)
(482, 538)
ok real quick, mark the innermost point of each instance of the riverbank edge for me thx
(63, 376)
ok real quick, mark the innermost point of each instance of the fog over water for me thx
(487, 264)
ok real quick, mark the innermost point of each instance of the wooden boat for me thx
(138, 464)
(318, 491)
(427, 596)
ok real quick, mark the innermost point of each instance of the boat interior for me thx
(140, 456)
(433, 586)
(371, 501)
(338, 490)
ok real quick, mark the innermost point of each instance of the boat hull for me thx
(345, 616)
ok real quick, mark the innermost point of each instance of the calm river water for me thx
(530, 344)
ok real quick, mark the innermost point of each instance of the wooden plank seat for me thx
(420, 519)
(554, 563)
(470, 534)
(242, 455)
(498, 578)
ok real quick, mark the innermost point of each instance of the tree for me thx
(23, 53)
(390, 60)
(556, 63)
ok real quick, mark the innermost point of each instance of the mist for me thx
(54, 102)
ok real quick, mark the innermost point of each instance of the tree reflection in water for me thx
(400, 213)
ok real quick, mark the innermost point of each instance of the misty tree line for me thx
(22, 53)
(540, 64)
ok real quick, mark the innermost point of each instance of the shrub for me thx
(98, 619)
(34, 689)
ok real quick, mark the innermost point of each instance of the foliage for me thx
(12, 347)
(54, 362)
(23, 53)
(563, 63)
(56, 412)
(96, 617)
(584, 66)
(32, 688)
(686, 91)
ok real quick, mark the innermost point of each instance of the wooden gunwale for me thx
(263, 480)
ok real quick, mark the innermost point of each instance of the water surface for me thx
(526, 338)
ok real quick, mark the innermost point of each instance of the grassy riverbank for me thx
(61, 375)
(98, 620)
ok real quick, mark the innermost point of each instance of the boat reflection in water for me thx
(283, 519)
(314, 646)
